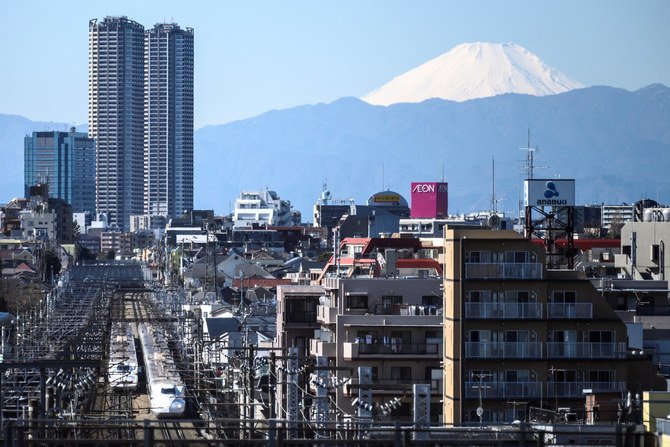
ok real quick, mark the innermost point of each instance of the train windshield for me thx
(123, 368)
(170, 391)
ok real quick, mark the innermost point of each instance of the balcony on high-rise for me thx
(503, 350)
(503, 310)
(504, 270)
(587, 350)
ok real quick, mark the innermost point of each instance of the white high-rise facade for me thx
(168, 120)
(116, 115)
(141, 116)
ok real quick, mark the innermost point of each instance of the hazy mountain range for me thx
(615, 143)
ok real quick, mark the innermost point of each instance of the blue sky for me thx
(254, 56)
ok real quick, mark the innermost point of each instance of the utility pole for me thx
(292, 393)
(272, 385)
(250, 387)
(480, 409)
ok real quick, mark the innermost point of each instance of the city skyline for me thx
(258, 56)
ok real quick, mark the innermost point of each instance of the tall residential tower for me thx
(116, 115)
(168, 120)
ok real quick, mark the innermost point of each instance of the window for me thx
(625, 249)
(562, 375)
(391, 299)
(478, 257)
(601, 336)
(401, 373)
(601, 376)
(480, 336)
(366, 336)
(401, 336)
(564, 296)
(357, 302)
(516, 257)
(565, 336)
(521, 375)
(480, 296)
(475, 375)
(431, 300)
(518, 296)
(516, 336)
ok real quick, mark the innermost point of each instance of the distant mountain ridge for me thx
(472, 71)
(615, 143)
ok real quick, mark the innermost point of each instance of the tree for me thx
(17, 296)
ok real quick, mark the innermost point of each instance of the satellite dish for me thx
(494, 221)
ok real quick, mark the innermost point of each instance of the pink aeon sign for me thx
(429, 200)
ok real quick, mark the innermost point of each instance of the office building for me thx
(66, 162)
(116, 115)
(168, 120)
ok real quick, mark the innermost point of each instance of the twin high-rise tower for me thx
(141, 116)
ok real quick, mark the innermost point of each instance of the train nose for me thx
(177, 406)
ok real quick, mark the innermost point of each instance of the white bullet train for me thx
(165, 387)
(122, 369)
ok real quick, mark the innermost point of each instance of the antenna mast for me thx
(493, 186)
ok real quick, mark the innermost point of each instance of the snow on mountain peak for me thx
(475, 70)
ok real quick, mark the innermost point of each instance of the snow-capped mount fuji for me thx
(475, 70)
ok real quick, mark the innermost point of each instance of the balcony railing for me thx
(355, 350)
(326, 314)
(297, 317)
(322, 348)
(503, 310)
(503, 350)
(504, 270)
(392, 386)
(503, 390)
(570, 310)
(564, 389)
(586, 350)
(405, 309)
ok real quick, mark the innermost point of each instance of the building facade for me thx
(262, 208)
(116, 115)
(518, 332)
(66, 162)
(168, 120)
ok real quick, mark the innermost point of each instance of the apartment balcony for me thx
(405, 309)
(503, 350)
(504, 270)
(586, 350)
(301, 319)
(570, 310)
(503, 311)
(322, 348)
(395, 386)
(382, 350)
(503, 390)
(326, 314)
(576, 390)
